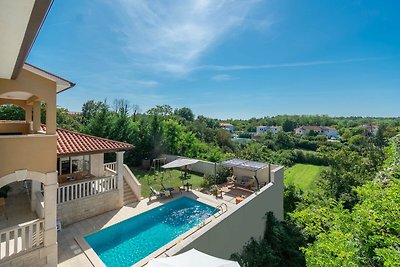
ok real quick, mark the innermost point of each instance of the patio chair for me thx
(155, 193)
(168, 190)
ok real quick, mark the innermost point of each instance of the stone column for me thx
(51, 111)
(35, 188)
(36, 116)
(120, 176)
(50, 217)
(28, 114)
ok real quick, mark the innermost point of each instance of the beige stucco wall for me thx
(32, 83)
(229, 232)
(83, 208)
(14, 127)
(30, 152)
(97, 165)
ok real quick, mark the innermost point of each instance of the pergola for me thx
(258, 170)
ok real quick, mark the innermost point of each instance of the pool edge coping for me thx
(89, 252)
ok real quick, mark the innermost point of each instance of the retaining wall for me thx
(229, 233)
(83, 208)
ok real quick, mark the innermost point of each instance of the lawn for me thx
(303, 175)
(170, 178)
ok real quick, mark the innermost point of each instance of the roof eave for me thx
(92, 152)
(37, 18)
(62, 84)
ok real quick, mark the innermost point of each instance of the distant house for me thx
(74, 113)
(321, 130)
(227, 126)
(370, 128)
(264, 129)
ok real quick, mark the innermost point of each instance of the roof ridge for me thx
(88, 135)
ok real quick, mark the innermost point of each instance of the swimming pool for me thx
(127, 242)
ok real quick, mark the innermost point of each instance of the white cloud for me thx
(283, 65)
(171, 36)
(222, 77)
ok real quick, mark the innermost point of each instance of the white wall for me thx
(229, 233)
(202, 166)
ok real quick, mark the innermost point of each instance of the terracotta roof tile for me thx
(74, 143)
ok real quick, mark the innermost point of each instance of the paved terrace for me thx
(71, 254)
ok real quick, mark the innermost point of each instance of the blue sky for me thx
(227, 59)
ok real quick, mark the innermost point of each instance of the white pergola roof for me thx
(244, 164)
(192, 258)
(179, 163)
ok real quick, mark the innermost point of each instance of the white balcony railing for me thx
(20, 238)
(111, 166)
(84, 189)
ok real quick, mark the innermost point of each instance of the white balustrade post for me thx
(50, 217)
(120, 176)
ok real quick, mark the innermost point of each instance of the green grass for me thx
(303, 176)
(170, 178)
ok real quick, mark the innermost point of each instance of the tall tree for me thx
(185, 113)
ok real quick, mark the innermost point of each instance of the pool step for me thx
(129, 196)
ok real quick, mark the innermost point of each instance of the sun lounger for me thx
(156, 193)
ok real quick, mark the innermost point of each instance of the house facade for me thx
(88, 186)
(52, 173)
(370, 129)
(28, 154)
(330, 132)
(265, 129)
(227, 126)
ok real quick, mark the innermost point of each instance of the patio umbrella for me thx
(192, 258)
(181, 163)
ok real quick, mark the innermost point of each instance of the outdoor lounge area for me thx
(178, 174)
(74, 249)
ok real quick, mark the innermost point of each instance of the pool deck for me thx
(70, 252)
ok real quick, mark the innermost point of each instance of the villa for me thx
(66, 203)
(227, 126)
(321, 130)
(370, 129)
(265, 129)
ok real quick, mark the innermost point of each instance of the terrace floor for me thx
(71, 254)
(17, 208)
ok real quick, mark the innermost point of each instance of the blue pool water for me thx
(127, 242)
